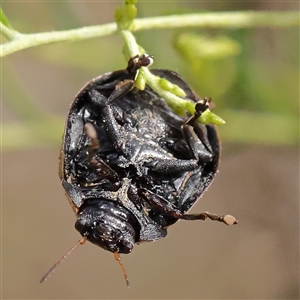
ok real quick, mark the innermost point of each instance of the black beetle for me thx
(129, 165)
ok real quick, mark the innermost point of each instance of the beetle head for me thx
(107, 225)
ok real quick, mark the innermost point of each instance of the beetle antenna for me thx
(118, 259)
(80, 242)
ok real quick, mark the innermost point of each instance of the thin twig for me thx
(213, 20)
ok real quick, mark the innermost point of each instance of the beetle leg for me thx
(167, 208)
(106, 104)
(178, 146)
(199, 150)
(195, 137)
(98, 100)
(160, 165)
(111, 117)
(110, 114)
(162, 205)
(227, 219)
(111, 126)
(121, 89)
(194, 133)
(170, 166)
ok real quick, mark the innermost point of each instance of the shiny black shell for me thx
(119, 186)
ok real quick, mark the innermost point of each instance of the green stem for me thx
(245, 19)
(130, 43)
(209, 20)
(178, 104)
(8, 33)
(25, 41)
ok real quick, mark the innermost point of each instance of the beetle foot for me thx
(200, 107)
(226, 219)
(138, 61)
(230, 220)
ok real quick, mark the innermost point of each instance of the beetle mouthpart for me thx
(118, 259)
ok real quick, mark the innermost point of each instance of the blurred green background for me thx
(252, 76)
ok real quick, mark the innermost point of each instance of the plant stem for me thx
(209, 20)
(8, 33)
(25, 41)
(130, 42)
(245, 19)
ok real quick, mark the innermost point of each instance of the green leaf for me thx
(193, 46)
(205, 56)
(4, 20)
(209, 117)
